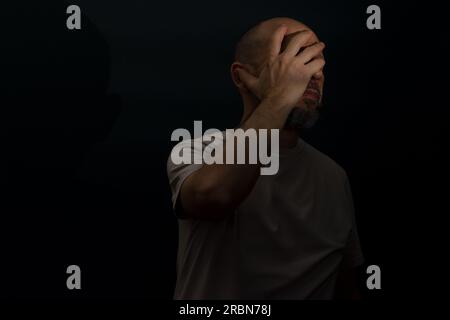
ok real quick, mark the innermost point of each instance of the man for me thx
(284, 236)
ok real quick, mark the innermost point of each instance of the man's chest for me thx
(283, 211)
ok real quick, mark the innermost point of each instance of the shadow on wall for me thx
(54, 95)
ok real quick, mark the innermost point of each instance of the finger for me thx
(247, 79)
(316, 65)
(310, 52)
(297, 42)
(276, 40)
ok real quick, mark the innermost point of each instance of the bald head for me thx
(253, 47)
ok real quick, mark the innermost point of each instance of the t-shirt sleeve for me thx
(178, 171)
(353, 256)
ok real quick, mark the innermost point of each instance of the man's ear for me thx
(235, 75)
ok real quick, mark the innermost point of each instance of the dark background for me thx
(87, 117)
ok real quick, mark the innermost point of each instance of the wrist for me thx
(275, 102)
(270, 115)
(275, 105)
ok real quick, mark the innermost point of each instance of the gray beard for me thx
(302, 118)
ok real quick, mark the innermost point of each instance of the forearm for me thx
(221, 188)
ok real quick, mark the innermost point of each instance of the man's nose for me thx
(318, 75)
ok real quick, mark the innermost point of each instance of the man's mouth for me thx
(313, 89)
(312, 93)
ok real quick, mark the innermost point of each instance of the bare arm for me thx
(216, 190)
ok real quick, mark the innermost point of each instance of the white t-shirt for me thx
(287, 240)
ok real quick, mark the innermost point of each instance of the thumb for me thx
(247, 79)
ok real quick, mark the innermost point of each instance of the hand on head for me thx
(286, 74)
